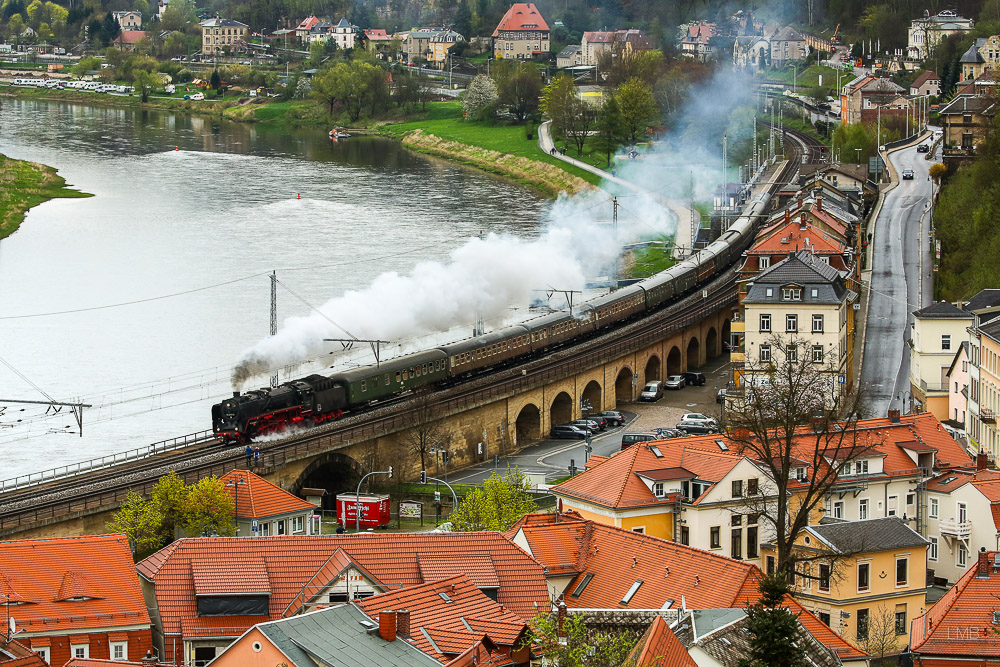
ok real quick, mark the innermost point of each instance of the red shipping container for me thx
(375, 510)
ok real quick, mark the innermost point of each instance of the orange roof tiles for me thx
(73, 583)
(214, 578)
(960, 624)
(521, 16)
(15, 654)
(478, 568)
(659, 647)
(257, 498)
(791, 237)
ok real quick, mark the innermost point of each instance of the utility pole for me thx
(55, 406)
(614, 227)
(274, 318)
(725, 184)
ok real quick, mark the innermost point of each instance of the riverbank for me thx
(24, 185)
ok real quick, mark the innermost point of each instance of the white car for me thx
(699, 418)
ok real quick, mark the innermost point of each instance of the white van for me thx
(170, 89)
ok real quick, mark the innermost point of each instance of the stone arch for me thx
(712, 349)
(726, 335)
(593, 396)
(693, 353)
(561, 410)
(528, 425)
(653, 370)
(332, 471)
(674, 361)
(623, 386)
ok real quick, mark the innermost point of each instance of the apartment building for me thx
(521, 34)
(935, 335)
(220, 35)
(925, 33)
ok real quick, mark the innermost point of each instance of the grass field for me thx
(809, 77)
(24, 185)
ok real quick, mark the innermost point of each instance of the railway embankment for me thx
(24, 185)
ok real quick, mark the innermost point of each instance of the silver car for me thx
(675, 382)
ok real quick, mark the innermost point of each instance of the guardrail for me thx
(74, 469)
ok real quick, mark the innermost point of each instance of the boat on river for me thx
(338, 133)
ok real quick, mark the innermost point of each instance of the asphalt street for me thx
(900, 282)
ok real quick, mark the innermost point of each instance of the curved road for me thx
(900, 282)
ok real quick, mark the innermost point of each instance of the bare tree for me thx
(880, 638)
(426, 434)
(790, 418)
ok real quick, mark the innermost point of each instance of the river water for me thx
(183, 204)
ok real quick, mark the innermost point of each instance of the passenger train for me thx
(315, 399)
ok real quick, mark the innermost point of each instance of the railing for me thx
(987, 416)
(960, 529)
(925, 387)
(73, 469)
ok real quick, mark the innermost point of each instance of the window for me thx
(934, 508)
(864, 578)
(838, 509)
(281, 527)
(658, 489)
(963, 513)
(824, 617)
(753, 550)
(791, 323)
(639, 529)
(42, 651)
(763, 262)
(765, 322)
(737, 488)
(892, 510)
(119, 651)
(817, 324)
(736, 520)
(932, 550)
(861, 467)
(685, 535)
(791, 294)
(791, 354)
(862, 509)
(765, 353)
(824, 577)
(80, 650)
(862, 625)
(631, 592)
(578, 591)
(736, 544)
(265, 528)
(296, 524)
(769, 292)
(817, 354)
(753, 487)
(910, 499)
(770, 566)
(945, 341)
(963, 555)
(901, 619)
(714, 538)
(902, 571)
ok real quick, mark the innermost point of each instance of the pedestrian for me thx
(256, 456)
(249, 453)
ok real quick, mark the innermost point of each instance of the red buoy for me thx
(177, 148)
(300, 196)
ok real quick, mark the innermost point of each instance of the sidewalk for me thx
(683, 214)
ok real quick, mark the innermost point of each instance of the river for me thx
(182, 204)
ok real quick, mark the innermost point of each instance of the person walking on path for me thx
(256, 456)
(249, 453)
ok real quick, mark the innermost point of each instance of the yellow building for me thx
(937, 332)
(984, 380)
(221, 35)
(522, 33)
(872, 585)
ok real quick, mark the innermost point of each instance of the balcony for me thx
(929, 388)
(737, 326)
(960, 529)
(987, 416)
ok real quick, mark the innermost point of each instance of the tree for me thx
(610, 130)
(428, 433)
(178, 15)
(86, 64)
(141, 521)
(144, 82)
(792, 409)
(480, 97)
(880, 637)
(557, 100)
(773, 629)
(519, 86)
(638, 108)
(169, 496)
(570, 643)
(208, 507)
(215, 81)
(937, 171)
(496, 505)
(463, 20)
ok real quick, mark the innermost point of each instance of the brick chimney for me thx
(801, 201)
(387, 625)
(894, 416)
(403, 623)
(561, 619)
(802, 221)
(788, 215)
(148, 660)
(983, 566)
(982, 461)
(819, 203)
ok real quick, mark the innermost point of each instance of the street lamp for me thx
(357, 496)
(236, 483)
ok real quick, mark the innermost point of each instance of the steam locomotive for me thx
(315, 399)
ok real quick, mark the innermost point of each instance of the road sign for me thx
(254, 526)
(840, 379)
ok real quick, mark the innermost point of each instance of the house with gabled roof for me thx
(960, 630)
(935, 335)
(264, 509)
(928, 83)
(75, 597)
(209, 591)
(522, 33)
(16, 654)
(696, 40)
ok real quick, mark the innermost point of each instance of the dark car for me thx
(590, 427)
(613, 417)
(569, 432)
(670, 433)
(601, 422)
(907, 174)
(696, 428)
(923, 148)
(694, 378)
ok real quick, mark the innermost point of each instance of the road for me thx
(900, 283)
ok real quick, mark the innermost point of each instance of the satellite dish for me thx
(13, 626)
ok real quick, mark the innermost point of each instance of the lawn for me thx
(652, 259)
(808, 77)
(24, 185)
(444, 120)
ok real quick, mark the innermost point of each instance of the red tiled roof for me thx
(15, 654)
(446, 610)
(257, 498)
(520, 16)
(47, 572)
(98, 662)
(377, 34)
(790, 236)
(131, 36)
(988, 487)
(598, 37)
(212, 577)
(307, 23)
(924, 78)
(960, 624)
(478, 568)
(659, 647)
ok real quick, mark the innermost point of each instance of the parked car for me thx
(613, 417)
(923, 148)
(675, 382)
(695, 428)
(653, 391)
(670, 433)
(697, 379)
(698, 417)
(907, 174)
(601, 422)
(568, 432)
(586, 425)
(630, 439)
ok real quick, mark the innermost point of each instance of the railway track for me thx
(106, 489)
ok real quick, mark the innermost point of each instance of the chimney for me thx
(819, 203)
(561, 619)
(894, 416)
(403, 623)
(983, 567)
(802, 221)
(387, 625)
(236, 394)
(788, 215)
(148, 660)
(982, 461)
(816, 423)
(801, 201)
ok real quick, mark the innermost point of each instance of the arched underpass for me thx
(528, 426)
(623, 386)
(712, 349)
(561, 411)
(652, 371)
(334, 472)
(694, 349)
(674, 361)
(591, 399)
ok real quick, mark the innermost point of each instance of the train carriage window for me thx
(364, 386)
(397, 376)
(413, 372)
(387, 379)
